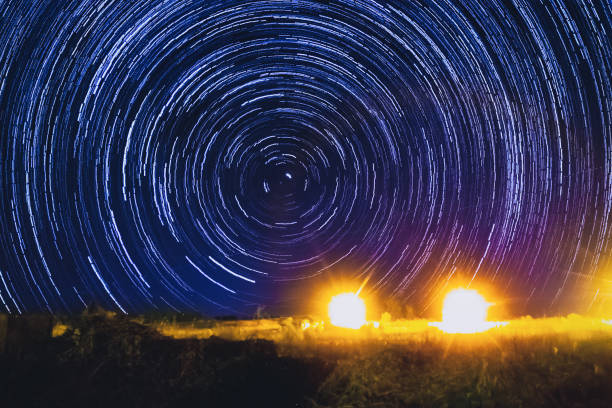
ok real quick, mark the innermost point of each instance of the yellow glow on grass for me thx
(464, 311)
(58, 330)
(347, 310)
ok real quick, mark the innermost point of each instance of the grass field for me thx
(107, 360)
(564, 361)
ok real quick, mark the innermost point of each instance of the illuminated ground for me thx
(106, 360)
(292, 330)
(462, 360)
(555, 362)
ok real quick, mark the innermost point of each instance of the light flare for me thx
(465, 311)
(347, 310)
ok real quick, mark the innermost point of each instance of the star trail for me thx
(217, 156)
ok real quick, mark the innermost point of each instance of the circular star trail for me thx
(216, 156)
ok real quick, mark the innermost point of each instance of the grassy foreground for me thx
(536, 372)
(555, 362)
(106, 360)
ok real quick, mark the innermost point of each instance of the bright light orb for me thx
(464, 311)
(347, 310)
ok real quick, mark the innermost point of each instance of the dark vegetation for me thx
(104, 361)
(521, 373)
(110, 361)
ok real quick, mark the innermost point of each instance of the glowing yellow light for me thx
(59, 330)
(464, 311)
(347, 310)
(607, 322)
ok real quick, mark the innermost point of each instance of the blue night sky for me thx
(218, 156)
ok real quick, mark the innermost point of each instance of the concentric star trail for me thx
(211, 156)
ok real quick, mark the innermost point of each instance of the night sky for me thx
(216, 156)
